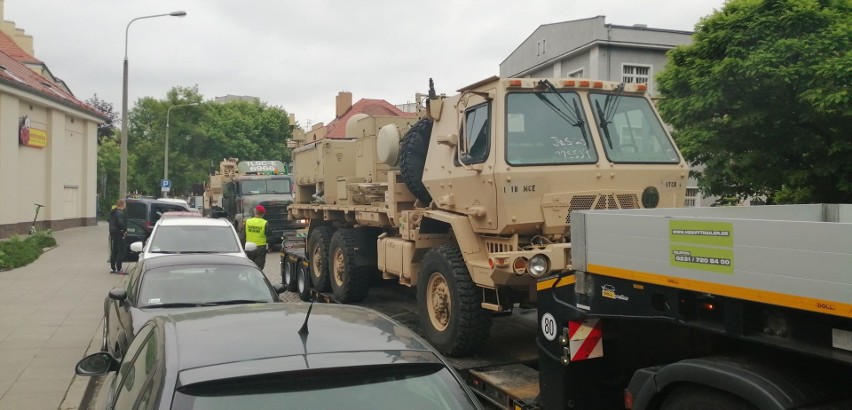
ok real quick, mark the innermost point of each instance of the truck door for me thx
(473, 186)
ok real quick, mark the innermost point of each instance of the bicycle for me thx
(38, 208)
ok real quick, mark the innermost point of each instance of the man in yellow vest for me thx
(256, 232)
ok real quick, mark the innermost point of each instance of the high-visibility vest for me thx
(256, 231)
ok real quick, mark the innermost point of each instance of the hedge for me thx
(17, 252)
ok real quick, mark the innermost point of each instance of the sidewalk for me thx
(50, 311)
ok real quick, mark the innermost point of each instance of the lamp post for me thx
(122, 177)
(166, 157)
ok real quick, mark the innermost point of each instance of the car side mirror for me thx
(136, 246)
(250, 246)
(279, 288)
(118, 294)
(96, 364)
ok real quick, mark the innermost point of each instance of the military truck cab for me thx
(261, 183)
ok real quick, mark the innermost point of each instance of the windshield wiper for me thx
(189, 252)
(171, 305)
(164, 252)
(604, 123)
(577, 121)
(234, 302)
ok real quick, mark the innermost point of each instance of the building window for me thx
(691, 197)
(576, 74)
(636, 74)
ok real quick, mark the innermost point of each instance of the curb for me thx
(82, 389)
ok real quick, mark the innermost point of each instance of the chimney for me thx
(343, 102)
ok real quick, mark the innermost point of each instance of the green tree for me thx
(761, 98)
(108, 173)
(199, 137)
(106, 129)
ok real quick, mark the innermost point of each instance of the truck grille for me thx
(618, 201)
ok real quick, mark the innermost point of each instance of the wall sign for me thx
(30, 137)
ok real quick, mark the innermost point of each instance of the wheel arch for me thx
(764, 386)
(462, 232)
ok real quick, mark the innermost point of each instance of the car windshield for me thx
(547, 128)
(413, 387)
(631, 131)
(208, 284)
(265, 186)
(194, 239)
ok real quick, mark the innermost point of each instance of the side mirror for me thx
(96, 364)
(137, 246)
(279, 288)
(250, 246)
(118, 294)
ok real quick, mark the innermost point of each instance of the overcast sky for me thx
(299, 54)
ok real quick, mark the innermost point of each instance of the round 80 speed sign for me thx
(548, 326)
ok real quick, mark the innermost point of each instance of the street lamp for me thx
(166, 158)
(122, 177)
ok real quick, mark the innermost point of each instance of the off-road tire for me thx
(288, 275)
(303, 280)
(696, 397)
(462, 322)
(318, 256)
(349, 283)
(412, 158)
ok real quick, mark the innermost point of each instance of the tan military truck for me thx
(472, 202)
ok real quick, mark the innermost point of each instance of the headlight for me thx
(650, 197)
(539, 266)
(520, 266)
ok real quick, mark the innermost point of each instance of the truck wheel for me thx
(450, 303)
(412, 158)
(303, 278)
(349, 283)
(288, 275)
(696, 397)
(318, 254)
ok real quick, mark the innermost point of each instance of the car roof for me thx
(194, 221)
(338, 335)
(172, 214)
(196, 259)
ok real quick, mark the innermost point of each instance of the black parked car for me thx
(256, 357)
(157, 285)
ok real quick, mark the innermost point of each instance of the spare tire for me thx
(412, 158)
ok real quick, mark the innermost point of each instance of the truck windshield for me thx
(635, 133)
(265, 186)
(541, 129)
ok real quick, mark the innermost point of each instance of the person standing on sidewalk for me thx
(117, 231)
(256, 232)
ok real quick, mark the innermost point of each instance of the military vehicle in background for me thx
(240, 186)
(472, 202)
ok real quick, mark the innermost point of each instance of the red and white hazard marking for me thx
(585, 339)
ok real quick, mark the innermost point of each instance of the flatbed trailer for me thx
(734, 307)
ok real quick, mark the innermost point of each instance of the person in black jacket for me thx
(117, 231)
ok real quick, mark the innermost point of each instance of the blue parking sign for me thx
(165, 184)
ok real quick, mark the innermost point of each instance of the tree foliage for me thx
(199, 138)
(106, 129)
(761, 98)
